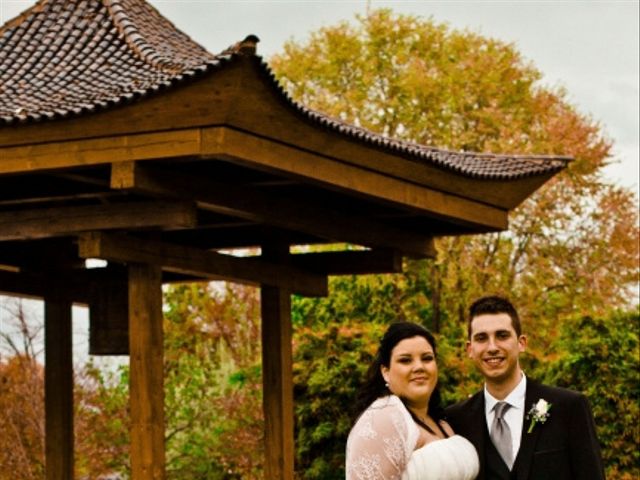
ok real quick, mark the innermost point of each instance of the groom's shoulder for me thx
(463, 405)
(556, 393)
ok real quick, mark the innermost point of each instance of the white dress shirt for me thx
(514, 416)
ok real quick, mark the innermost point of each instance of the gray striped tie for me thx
(500, 433)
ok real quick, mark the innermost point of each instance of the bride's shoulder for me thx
(387, 409)
(388, 401)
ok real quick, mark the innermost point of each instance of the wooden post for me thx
(58, 390)
(109, 313)
(146, 373)
(277, 375)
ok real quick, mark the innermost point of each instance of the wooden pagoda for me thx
(122, 139)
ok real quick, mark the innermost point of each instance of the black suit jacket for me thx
(565, 447)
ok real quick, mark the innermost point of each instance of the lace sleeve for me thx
(381, 442)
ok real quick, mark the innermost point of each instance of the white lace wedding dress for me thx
(381, 446)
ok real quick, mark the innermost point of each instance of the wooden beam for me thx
(95, 151)
(243, 236)
(75, 288)
(201, 263)
(146, 390)
(253, 204)
(277, 375)
(52, 222)
(41, 255)
(58, 390)
(260, 152)
(353, 262)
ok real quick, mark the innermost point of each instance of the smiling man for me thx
(521, 429)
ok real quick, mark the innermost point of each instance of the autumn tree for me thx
(21, 395)
(572, 247)
(21, 419)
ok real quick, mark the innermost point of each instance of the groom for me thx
(555, 440)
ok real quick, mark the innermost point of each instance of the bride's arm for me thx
(377, 448)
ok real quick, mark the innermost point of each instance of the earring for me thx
(386, 384)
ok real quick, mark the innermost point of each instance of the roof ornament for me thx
(246, 47)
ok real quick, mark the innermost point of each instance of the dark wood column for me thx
(146, 388)
(58, 390)
(277, 375)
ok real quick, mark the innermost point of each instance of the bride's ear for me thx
(384, 371)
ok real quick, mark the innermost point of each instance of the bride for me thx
(400, 434)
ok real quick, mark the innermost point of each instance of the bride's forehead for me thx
(411, 346)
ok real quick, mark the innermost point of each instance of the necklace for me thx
(422, 421)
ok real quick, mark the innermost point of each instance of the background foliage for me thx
(569, 260)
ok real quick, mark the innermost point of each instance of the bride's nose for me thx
(418, 366)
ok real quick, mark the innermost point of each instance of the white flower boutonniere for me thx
(538, 413)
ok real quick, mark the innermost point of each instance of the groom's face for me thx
(494, 347)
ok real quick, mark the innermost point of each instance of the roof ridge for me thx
(66, 57)
(39, 5)
(122, 13)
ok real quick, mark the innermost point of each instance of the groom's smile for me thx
(494, 361)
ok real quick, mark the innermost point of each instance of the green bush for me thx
(600, 357)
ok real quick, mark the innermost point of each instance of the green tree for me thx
(599, 356)
(330, 363)
(212, 382)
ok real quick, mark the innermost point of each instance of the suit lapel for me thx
(529, 440)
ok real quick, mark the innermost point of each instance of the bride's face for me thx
(412, 373)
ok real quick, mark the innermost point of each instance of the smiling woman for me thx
(400, 433)
(412, 373)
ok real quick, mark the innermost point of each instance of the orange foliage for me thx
(21, 419)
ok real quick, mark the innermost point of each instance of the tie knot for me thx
(501, 408)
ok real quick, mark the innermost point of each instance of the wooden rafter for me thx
(75, 288)
(260, 152)
(200, 263)
(60, 221)
(354, 262)
(254, 204)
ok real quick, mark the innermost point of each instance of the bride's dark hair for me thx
(374, 386)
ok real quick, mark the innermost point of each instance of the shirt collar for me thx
(515, 398)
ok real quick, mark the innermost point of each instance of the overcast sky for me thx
(589, 47)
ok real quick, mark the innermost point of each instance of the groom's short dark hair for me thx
(493, 304)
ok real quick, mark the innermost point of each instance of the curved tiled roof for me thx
(65, 58)
(61, 58)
